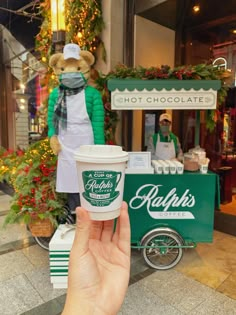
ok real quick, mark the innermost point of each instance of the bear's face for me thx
(60, 65)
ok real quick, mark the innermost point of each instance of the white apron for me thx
(165, 150)
(79, 131)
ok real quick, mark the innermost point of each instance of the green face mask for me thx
(165, 128)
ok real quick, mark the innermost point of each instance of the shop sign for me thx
(163, 99)
(158, 205)
(130, 94)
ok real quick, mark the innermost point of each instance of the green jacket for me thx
(167, 139)
(95, 112)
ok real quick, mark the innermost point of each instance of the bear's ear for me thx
(54, 59)
(87, 56)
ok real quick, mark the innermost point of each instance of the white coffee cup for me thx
(172, 166)
(101, 179)
(157, 167)
(203, 165)
(179, 167)
(165, 165)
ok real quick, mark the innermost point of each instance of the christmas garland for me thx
(197, 72)
(84, 24)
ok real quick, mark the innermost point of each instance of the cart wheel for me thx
(161, 257)
(43, 241)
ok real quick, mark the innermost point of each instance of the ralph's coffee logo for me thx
(100, 186)
(158, 205)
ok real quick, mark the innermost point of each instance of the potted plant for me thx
(35, 201)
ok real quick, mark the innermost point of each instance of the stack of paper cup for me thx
(101, 179)
(165, 166)
(179, 167)
(172, 166)
(157, 166)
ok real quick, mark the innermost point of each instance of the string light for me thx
(196, 8)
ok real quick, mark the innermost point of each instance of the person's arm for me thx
(99, 265)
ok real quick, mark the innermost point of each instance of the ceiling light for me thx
(196, 8)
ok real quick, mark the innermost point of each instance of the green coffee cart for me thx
(169, 213)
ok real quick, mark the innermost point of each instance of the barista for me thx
(165, 145)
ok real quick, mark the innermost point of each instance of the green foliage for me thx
(9, 160)
(34, 184)
(210, 120)
(197, 72)
(84, 23)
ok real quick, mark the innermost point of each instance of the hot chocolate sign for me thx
(131, 94)
(151, 197)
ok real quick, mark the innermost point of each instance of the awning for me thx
(131, 94)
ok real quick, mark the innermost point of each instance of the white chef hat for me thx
(71, 51)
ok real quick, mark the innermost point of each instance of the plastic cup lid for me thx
(99, 153)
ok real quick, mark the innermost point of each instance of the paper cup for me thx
(165, 165)
(203, 165)
(157, 166)
(101, 170)
(172, 166)
(179, 167)
(203, 168)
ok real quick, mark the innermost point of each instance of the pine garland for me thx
(186, 72)
(84, 23)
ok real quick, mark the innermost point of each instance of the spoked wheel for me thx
(164, 249)
(66, 218)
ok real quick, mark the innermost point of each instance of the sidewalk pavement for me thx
(25, 287)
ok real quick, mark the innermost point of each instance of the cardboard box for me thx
(59, 253)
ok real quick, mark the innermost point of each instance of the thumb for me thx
(82, 232)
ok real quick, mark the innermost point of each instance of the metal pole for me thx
(197, 129)
(3, 101)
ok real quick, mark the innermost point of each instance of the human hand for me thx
(99, 266)
(55, 145)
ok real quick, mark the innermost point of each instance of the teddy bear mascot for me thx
(75, 116)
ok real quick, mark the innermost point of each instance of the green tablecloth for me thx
(185, 203)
